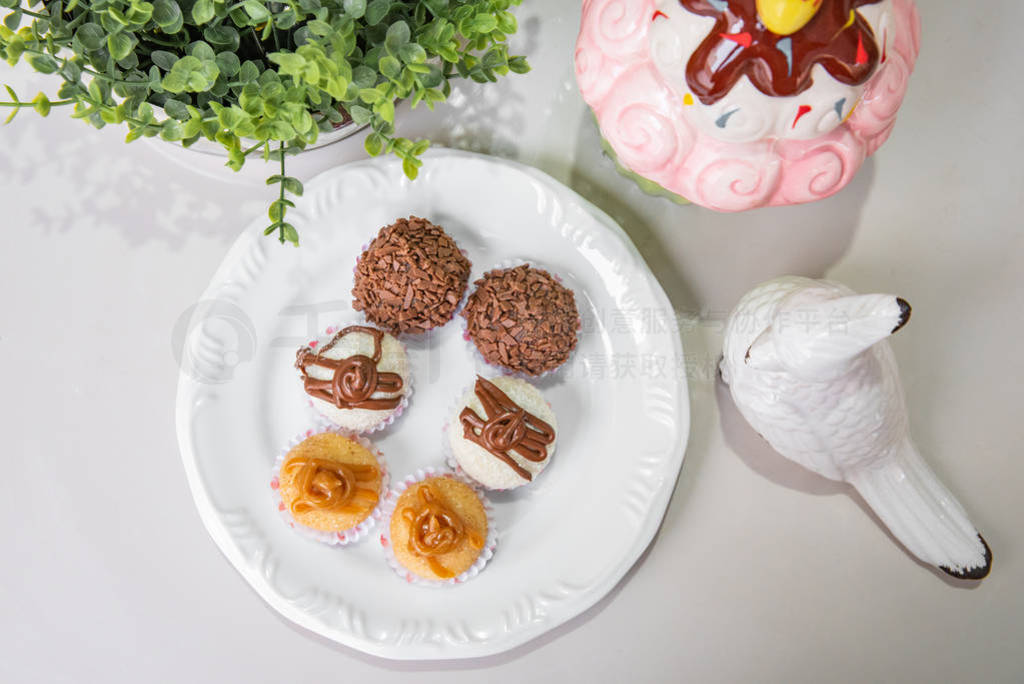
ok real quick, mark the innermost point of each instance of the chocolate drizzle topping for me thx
(355, 379)
(837, 37)
(435, 530)
(325, 485)
(507, 428)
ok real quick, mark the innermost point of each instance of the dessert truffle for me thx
(502, 433)
(330, 483)
(411, 278)
(358, 379)
(438, 528)
(522, 319)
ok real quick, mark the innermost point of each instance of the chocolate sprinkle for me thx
(411, 277)
(522, 319)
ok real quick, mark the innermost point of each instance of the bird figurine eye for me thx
(785, 17)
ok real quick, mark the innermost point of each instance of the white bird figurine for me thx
(809, 367)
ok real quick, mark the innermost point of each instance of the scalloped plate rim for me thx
(657, 505)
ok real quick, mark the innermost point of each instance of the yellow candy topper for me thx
(783, 17)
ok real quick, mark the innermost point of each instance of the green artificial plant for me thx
(257, 77)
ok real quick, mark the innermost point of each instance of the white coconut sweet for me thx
(480, 464)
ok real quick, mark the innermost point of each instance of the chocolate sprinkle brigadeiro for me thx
(411, 277)
(522, 319)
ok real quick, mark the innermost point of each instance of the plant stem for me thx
(24, 105)
(280, 230)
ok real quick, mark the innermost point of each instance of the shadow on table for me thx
(706, 259)
(759, 456)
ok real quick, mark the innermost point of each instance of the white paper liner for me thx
(325, 422)
(501, 266)
(449, 455)
(385, 536)
(343, 537)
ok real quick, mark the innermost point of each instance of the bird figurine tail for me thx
(926, 518)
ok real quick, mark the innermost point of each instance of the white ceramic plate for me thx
(565, 540)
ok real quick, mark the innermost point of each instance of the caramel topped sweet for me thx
(439, 528)
(507, 428)
(330, 482)
(325, 485)
(355, 379)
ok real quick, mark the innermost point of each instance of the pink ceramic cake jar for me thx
(737, 104)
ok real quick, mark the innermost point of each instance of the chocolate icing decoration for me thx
(435, 530)
(508, 427)
(326, 485)
(355, 379)
(837, 37)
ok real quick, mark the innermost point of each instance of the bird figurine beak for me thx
(783, 17)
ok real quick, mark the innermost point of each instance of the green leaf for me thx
(167, 15)
(256, 10)
(390, 66)
(44, 64)
(319, 28)
(172, 130)
(289, 233)
(385, 109)
(364, 76)
(277, 211)
(437, 7)
(202, 51)
(293, 186)
(174, 82)
(484, 23)
(203, 11)
(139, 13)
(370, 95)
(228, 63)
(361, 115)
(176, 109)
(412, 53)
(41, 104)
(120, 44)
(376, 11)
(374, 144)
(411, 167)
(249, 72)
(163, 59)
(13, 20)
(90, 36)
(518, 65)
(398, 35)
(225, 37)
(354, 8)
(290, 64)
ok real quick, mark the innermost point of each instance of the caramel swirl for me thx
(507, 428)
(355, 379)
(325, 485)
(435, 530)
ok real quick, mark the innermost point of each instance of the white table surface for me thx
(761, 571)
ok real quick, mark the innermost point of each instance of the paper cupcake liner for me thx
(385, 536)
(344, 537)
(501, 266)
(323, 421)
(449, 454)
